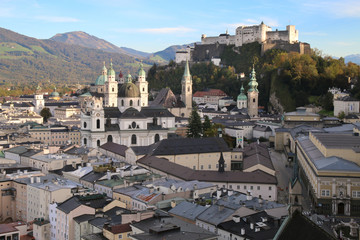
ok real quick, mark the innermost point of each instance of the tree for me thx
(194, 126)
(46, 114)
(341, 115)
(206, 125)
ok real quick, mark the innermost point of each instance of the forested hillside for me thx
(26, 60)
(295, 79)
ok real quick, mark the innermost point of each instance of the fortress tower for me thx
(39, 101)
(253, 95)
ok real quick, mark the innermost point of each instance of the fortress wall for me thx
(206, 52)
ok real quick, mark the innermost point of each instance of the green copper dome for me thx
(128, 78)
(242, 96)
(141, 71)
(129, 90)
(54, 93)
(253, 84)
(100, 80)
(111, 71)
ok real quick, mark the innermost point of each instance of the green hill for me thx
(28, 60)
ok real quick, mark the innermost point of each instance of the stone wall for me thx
(207, 52)
(302, 48)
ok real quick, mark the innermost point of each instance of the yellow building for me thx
(56, 135)
(115, 232)
(330, 171)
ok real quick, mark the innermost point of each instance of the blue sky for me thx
(331, 26)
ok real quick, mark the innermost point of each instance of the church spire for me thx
(187, 74)
(253, 84)
(221, 163)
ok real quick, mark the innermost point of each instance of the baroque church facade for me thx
(117, 111)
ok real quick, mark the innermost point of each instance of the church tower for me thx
(241, 99)
(111, 88)
(186, 88)
(253, 95)
(39, 101)
(142, 84)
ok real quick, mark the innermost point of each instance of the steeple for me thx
(221, 163)
(111, 71)
(128, 78)
(253, 84)
(242, 95)
(187, 75)
(104, 70)
(141, 71)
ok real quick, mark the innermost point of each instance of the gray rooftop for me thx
(344, 141)
(326, 163)
(187, 210)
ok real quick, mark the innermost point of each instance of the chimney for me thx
(251, 225)
(221, 207)
(218, 194)
(38, 179)
(248, 196)
(243, 231)
(32, 180)
(108, 175)
(236, 218)
(122, 173)
(230, 192)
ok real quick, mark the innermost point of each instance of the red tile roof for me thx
(121, 228)
(211, 92)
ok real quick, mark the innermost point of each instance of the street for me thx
(283, 174)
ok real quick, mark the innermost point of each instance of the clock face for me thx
(98, 114)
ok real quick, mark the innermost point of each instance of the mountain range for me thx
(66, 58)
(90, 41)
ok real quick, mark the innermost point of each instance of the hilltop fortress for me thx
(212, 47)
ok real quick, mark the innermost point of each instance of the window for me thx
(202, 167)
(245, 187)
(254, 100)
(133, 124)
(325, 193)
(157, 137)
(138, 102)
(122, 102)
(133, 139)
(98, 123)
(98, 143)
(258, 187)
(356, 194)
(194, 167)
(131, 102)
(109, 138)
(120, 236)
(85, 141)
(113, 89)
(209, 166)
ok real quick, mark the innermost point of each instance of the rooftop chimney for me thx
(236, 218)
(248, 196)
(108, 175)
(243, 231)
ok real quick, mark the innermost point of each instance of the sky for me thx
(330, 26)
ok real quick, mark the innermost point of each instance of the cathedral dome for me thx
(129, 90)
(100, 80)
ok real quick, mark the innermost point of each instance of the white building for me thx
(123, 116)
(347, 104)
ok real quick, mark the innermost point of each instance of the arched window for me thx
(85, 141)
(253, 99)
(85, 125)
(113, 89)
(188, 89)
(157, 137)
(98, 123)
(143, 89)
(133, 139)
(122, 102)
(98, 143)
(133, 124)
(131, 102)
(138, 102)
(109, 138)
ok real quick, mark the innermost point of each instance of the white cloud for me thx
(57, 19)
(340, 9)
